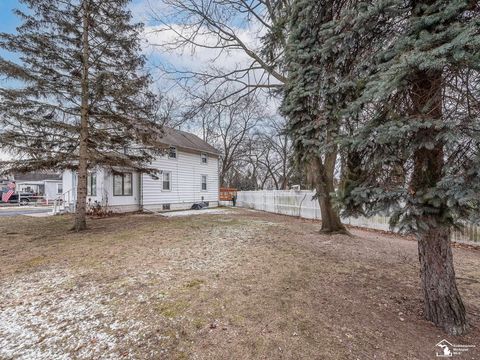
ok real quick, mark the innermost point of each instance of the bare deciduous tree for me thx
(234, 125)
(270, 155)
(213, 25)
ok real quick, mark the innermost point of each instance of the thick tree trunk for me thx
(443, 304)
(331, 223)
(81, 213)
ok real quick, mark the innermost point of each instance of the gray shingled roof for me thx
(182, 139)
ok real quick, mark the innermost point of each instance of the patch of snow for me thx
(45, 316)
(196, 212)
(42, 214)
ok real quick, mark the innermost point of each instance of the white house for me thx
(187, 174)
(45, 184)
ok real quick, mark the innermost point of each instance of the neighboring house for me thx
(45, 184)
(3, 183)
(187, 174)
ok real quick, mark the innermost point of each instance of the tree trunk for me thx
(331, 223)
(81, 213)
(223, 175)
(443, 304)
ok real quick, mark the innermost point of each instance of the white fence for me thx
(301, 204)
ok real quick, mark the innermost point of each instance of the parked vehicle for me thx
(25, 198)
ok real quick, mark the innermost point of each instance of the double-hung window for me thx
(92, 184)
(204, 158)
(204, 182)
(122, 184)
(167, 181)
(172, 152)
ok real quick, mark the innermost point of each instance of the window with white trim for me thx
(59, 188)
(92, 184)
(172, 152)
(122, 184)
(204, 158)
(204, 182)
(167, 181)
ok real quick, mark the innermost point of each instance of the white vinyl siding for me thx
(185, 180)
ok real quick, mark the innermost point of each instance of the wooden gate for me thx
(227, 194)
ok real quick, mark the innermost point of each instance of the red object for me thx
(6, 196)
(227, 194)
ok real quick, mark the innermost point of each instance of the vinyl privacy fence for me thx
(302, 204)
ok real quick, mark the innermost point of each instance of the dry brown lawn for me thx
(242, 285)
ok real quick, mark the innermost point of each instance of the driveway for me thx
(23, 210)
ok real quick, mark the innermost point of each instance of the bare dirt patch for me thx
(240, 285)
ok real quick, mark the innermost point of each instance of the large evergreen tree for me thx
(418, 134)
(79, 97)
(310, 104)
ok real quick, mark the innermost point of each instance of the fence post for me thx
(274, 202)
